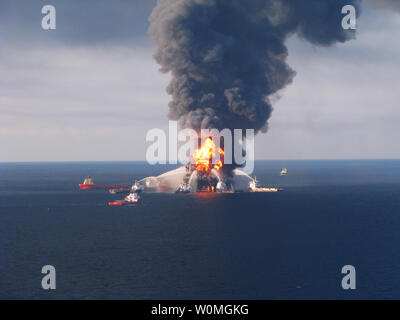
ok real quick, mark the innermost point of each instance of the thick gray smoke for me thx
(386, 4)
(227, 57)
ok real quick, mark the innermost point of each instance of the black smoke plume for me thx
(228, 57)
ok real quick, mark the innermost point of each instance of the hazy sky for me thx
(90, 90)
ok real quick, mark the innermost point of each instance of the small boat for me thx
(118, 190)
(132, 198)
(183, 188)
(116, 203)
(255, 186)
(264, 189)
(136, 188)
(284, 172)
(224, 188)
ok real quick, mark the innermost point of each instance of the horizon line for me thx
(126, 161)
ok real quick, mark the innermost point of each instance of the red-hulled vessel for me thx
(89, 184)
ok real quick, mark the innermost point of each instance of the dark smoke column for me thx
(227, 57)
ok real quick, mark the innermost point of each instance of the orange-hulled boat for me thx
(89, 184)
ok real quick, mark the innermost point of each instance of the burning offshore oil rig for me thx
(226, 75)
(204, 173)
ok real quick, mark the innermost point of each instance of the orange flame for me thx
(203, 157)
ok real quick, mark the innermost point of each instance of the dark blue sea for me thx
(286, 245)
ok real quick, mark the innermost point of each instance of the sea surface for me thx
(286, 245)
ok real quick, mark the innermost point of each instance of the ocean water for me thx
(287, 245)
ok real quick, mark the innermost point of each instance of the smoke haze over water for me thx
(228, 57)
